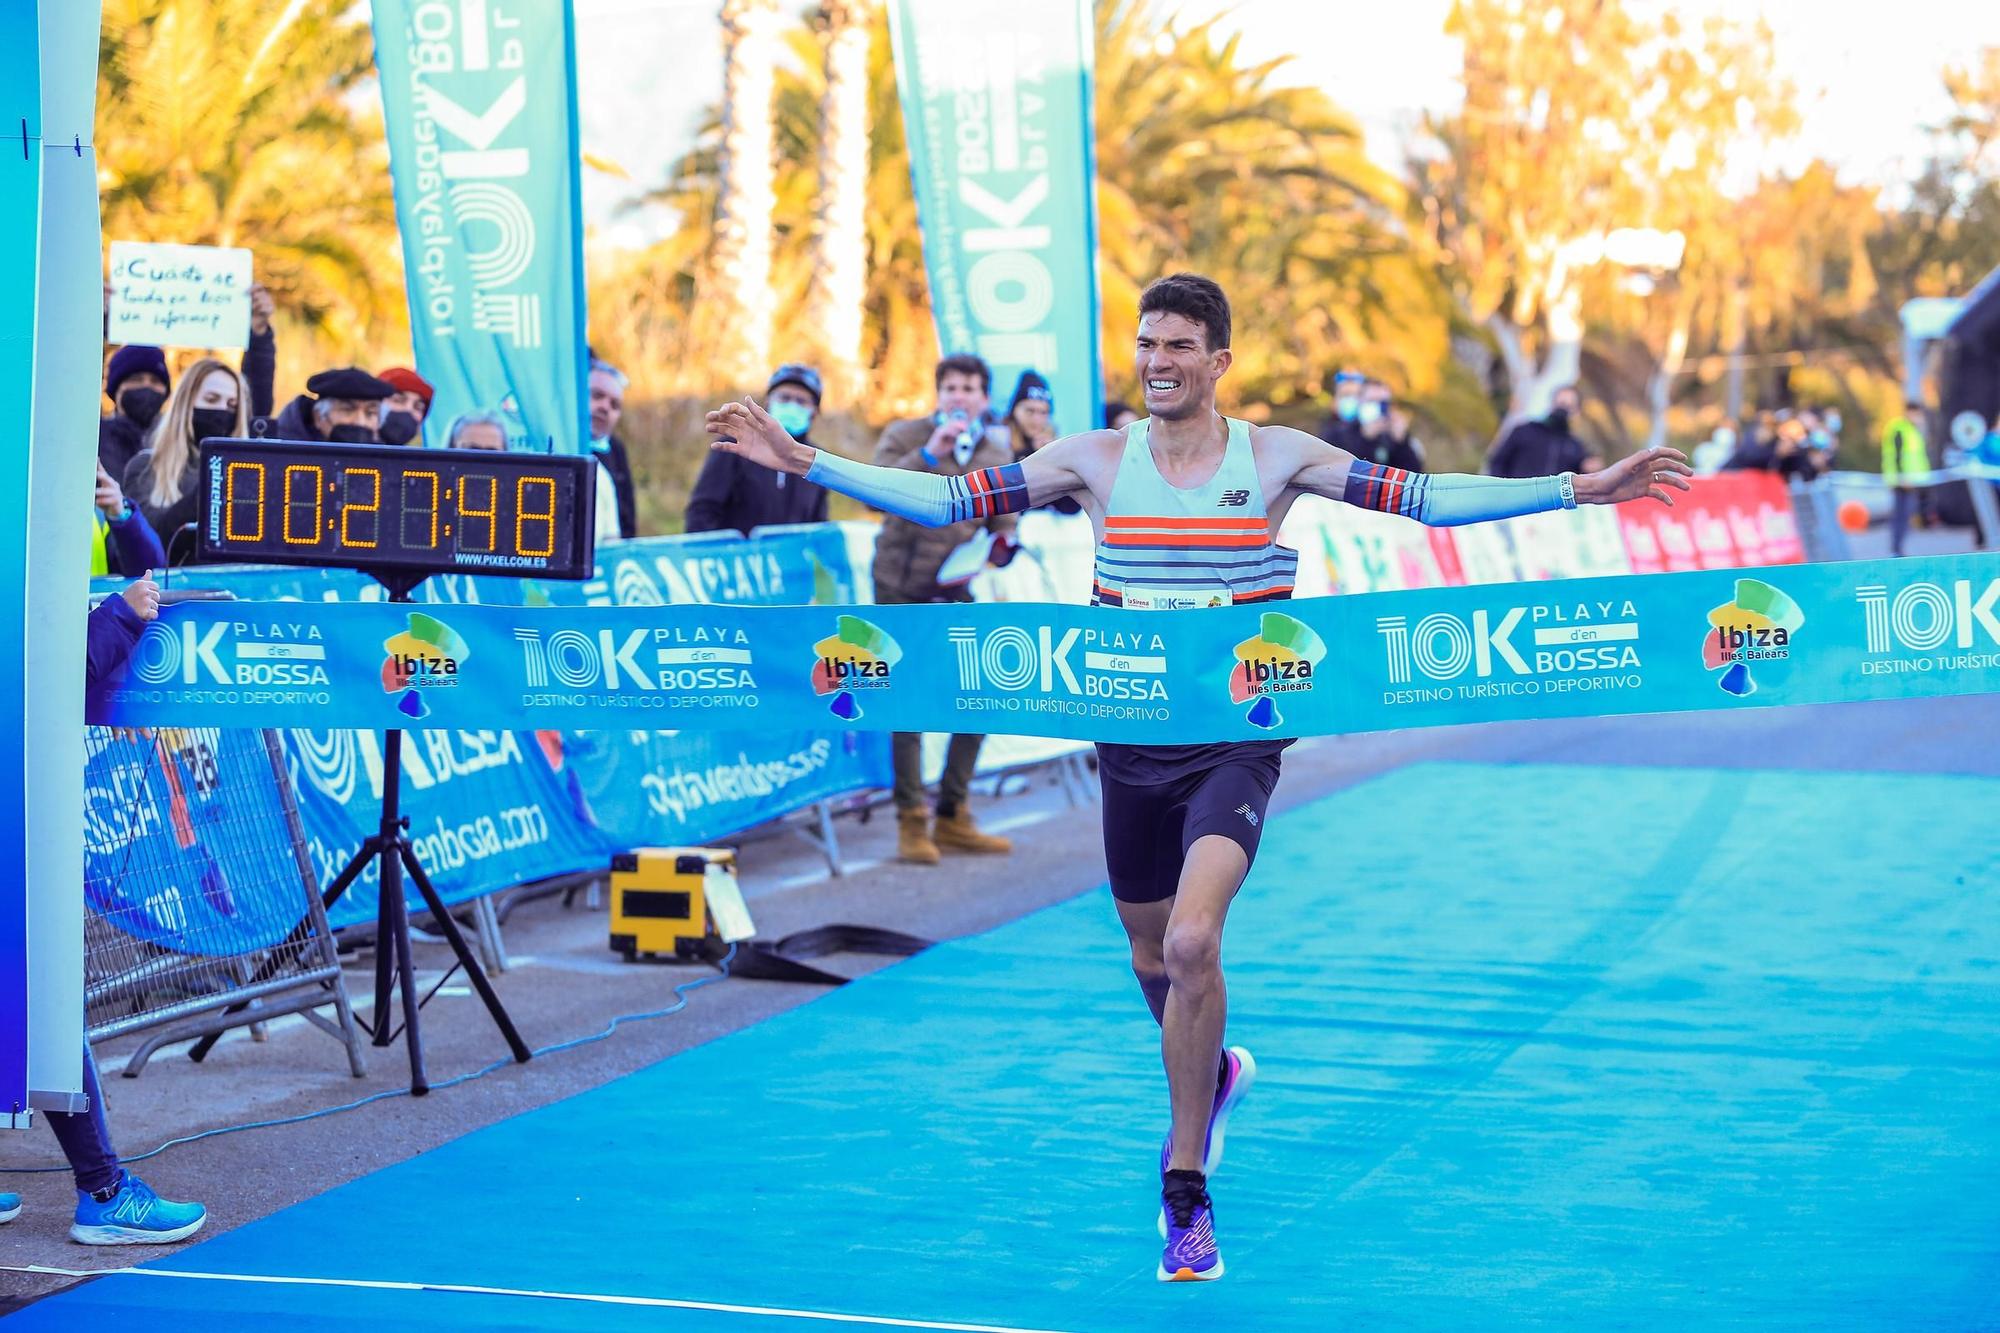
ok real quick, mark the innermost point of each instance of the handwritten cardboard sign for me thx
(179, 295)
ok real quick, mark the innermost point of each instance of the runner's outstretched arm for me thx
(1449, 499)
(928, 498)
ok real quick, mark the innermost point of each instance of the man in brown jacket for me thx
(955, 440)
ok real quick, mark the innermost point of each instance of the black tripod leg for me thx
(465, 958)
(399, 926)
(367, 852)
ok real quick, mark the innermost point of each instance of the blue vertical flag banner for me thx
(479, 101)
(996, 101)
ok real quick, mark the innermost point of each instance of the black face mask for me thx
(1559, 420)
(212, 423)
(350, 434)
(400, 427)
(141, 405)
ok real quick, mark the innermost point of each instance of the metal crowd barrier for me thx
(201, 910)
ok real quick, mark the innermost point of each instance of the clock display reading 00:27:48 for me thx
(378, 507)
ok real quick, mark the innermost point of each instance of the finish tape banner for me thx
(1317, 666)
(479, 103)
(996, 99)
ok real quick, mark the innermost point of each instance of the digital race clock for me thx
(376, 507)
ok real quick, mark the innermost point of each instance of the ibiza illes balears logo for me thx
(426, 656)
(1758, 625)
(1279, 659)
(859, 655)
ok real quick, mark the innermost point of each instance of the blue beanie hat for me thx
(136, 360)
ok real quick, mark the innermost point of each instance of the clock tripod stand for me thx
(392, 852)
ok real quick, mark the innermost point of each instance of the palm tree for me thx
(743, 300)
(836, 299)
(1203, 162)
(231, 122)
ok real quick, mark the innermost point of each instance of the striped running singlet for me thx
(1169, 548)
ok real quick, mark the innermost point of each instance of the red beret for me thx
(406, 380)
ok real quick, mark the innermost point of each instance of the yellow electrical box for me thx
(659, 899)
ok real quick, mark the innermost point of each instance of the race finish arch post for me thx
(51, 355)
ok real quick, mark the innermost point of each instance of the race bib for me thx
(1175, 599)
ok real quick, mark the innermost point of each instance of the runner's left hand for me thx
(1649, 473)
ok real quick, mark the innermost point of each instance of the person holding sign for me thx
(1187, 504)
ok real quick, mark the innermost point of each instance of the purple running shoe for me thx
(1190, 1255)
(1228, 1095)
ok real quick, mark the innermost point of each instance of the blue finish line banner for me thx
(996, 99)
(479, 103)
(1321, 666)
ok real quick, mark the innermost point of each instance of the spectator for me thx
(478, 430)
(1117, 415)
(339, 407)
(163, 477)
(406, 408)
(954, 441)
(1906, 467)
(733, 493)
(617, 505)
(137, 383)
(1376, 420)
(1785, 450)
(1545, 447)
(122, 541)
(259, 367)
(1342, 428)
(1710, 455)
(113, 1206)
(1030, 426)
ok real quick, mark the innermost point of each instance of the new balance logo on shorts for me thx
(1247, 813)
(1234, 499)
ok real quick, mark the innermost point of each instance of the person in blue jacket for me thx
(122, 541)
(113, 1206)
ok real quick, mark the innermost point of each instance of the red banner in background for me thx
(1726, 521)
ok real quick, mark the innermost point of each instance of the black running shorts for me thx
(1148, 829)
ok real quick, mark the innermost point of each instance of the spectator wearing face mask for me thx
(341, 406)
(617, 501)
(405, 409)
(163, 477)
(137, 383)
(1712, 453)
(734, 493)
(1342, 428)
(1546, 447)
(1030, 424)
(1376, 419)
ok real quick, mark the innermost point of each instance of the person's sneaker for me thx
(956, 832)
(1229, 1093)
(10, 1207)
(134, 1216)
(913, 839)
(1190, 1255)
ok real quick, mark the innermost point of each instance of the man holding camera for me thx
(958, 438)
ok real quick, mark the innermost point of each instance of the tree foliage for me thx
(236, 122)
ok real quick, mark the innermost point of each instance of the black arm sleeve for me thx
(260, 368)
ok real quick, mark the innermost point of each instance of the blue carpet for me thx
(1653, 1048)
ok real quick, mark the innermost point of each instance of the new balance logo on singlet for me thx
(1247, 813)
(1234, 498)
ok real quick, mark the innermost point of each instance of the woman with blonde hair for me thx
(210, 400)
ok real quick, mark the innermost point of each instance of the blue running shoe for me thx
(1190, 1255)
(1229, 1094)
(134, 1216)
(10, 1207)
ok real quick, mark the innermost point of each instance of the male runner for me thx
(1187, 506)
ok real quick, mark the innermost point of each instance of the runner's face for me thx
(1177, 372)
